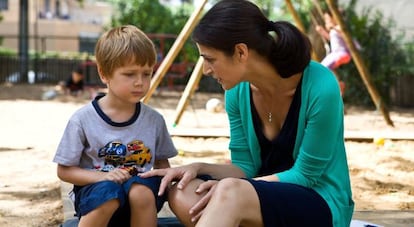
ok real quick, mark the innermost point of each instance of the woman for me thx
(289, 165)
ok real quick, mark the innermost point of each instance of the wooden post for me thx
(299, 24)
(318, 7)
(295, 15)
(173, 52)
(359, 62)
(189, 90)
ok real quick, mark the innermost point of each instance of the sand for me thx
(382, 172)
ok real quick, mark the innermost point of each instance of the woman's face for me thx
(227, 70)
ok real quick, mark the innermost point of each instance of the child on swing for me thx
(339, 53)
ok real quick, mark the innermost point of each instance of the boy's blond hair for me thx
(123, 45)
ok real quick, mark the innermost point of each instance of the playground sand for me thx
(382, 171)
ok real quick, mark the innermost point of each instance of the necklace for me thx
(269, 117)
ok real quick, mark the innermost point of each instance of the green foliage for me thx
(154, 17)
(46, 55)
(149, 16)
(1, 38)
(384, 55)
(7, 52)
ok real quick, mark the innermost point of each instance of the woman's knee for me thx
(230, 186)
(235, 191)
(238, 197)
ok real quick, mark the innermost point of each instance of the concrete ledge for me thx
(394, 218)
(68, 208)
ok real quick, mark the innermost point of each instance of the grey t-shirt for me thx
(92, 141)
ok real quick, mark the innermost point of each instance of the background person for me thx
(339, 53)
(289, 166)
(74, 85)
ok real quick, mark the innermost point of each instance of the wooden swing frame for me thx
(197, 72)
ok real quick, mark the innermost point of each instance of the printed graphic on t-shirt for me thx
(133, 156)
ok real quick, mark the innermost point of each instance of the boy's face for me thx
(129, 82)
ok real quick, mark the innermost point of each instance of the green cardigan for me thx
(319, 155)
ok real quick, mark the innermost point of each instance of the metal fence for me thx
(52, 71)
(45, 70)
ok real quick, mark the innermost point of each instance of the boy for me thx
(109, 141)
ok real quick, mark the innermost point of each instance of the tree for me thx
(149, 16)
(154, 17)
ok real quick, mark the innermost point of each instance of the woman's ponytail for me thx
(291, 51)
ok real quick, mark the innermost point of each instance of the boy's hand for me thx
(117, 175)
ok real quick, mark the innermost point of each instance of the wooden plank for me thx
(199, 132)
(189, 90)
(348, 134)
(371, 135)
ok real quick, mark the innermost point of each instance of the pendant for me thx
(269, 117)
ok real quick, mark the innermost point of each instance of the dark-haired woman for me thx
(289, 165)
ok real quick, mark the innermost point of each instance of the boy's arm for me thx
(78, 176)
(161, 164)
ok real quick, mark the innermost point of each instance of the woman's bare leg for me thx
(180, 201)
(101, 215)
(234, 203)
(143, 208)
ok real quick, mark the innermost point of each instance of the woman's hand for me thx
(117, 175)
(182, 173)
(197, 210)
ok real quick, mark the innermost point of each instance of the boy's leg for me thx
(143, 200)
(96, 203)
(142, 204)
(101, 215)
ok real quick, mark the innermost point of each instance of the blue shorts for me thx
(285, 204)
(89, 197)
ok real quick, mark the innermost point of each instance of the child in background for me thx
(74, 84)
(339, 54)
(110, 140)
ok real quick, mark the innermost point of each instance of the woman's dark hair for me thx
(230, 22)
